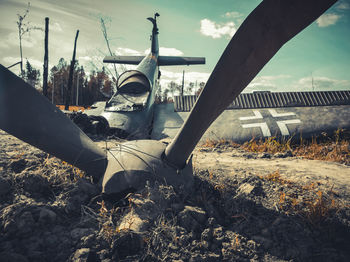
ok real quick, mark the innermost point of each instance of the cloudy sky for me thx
(319, 55)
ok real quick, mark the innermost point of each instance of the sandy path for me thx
(296, 169)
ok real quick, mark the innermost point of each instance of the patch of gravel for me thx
(49, 213)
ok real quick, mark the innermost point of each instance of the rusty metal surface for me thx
(274, 100)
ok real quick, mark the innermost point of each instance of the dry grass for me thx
(276, 177)
(310, 202)
(106, 217)
(334, 148)
(212, 143)
(109, 218)
(58, 171)
(269, 145)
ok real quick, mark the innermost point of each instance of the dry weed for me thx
(235, 242)
(269, 145)
(276, 177)
(308, 201)
(212, 143)
(108, 228)
(335, 148)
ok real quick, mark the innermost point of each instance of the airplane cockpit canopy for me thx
(125, 102)
(132, 93)
(133, 82)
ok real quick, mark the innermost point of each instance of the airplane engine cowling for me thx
(133, 81)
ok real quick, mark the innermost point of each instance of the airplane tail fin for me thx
(180, 60)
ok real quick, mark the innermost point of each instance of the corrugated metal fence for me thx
(273, 100)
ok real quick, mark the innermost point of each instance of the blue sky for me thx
(319, 55)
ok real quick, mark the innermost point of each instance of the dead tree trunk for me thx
(46, 57)
(71, 71)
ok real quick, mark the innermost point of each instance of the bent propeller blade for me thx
(29, 116)
(262, 34)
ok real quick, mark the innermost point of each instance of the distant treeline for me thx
(94, 86)
(89, 88)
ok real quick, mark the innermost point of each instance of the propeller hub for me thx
(133, 163)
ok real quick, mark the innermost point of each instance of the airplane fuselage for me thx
(130, 110)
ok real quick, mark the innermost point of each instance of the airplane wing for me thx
(180, 60)
(162, 60)
(262, 115)
(130, 60)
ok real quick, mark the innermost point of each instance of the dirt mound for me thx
(243, 207)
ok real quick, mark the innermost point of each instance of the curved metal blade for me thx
(29, 116)
(258, 39)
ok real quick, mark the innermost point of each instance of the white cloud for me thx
(233, 14)
(214, 30)
(28, 40)
(3, 45)
(280, 83)
(170, 51)
(37, 64)
(237, 17)
(319, 83)
(10, 60)
(162, 51)
(342, 6)
(56, 27)
(127, 51)
(327, 20)
(84, 58)
(192, 76)
(265, 83)
(196, 76)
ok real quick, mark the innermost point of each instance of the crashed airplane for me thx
(132, 114)
(130, 110)
(127, 167)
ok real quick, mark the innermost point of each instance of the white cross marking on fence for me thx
(282, 124)
(257, 115)
(274, 113)
(263, 126)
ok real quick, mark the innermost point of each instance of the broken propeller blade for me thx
(29, 116)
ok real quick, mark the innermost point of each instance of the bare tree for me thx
(23, 28)
(190, 88)
(71, 72)
(104, 32)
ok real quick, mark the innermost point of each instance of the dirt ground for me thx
(243, 207)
